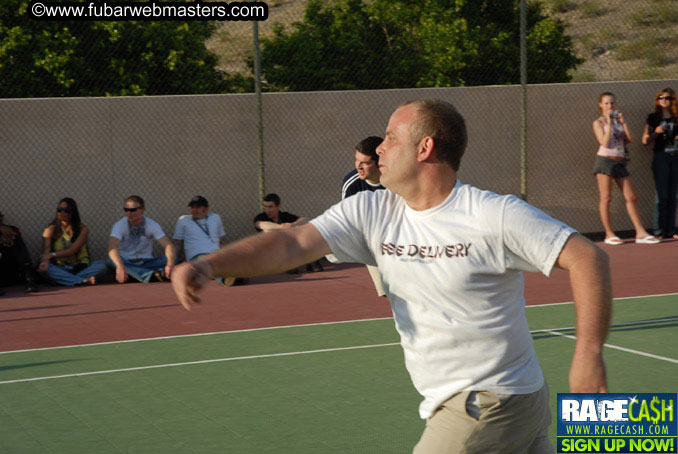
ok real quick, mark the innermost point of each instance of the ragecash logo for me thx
(617, 423)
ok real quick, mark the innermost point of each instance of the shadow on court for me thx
(42, 363)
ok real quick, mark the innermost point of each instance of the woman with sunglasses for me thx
(65, 258)
(661, 128)
(613, 134)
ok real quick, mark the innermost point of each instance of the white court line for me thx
(616, 347)
(277, 327)
(196, 335)
(642, 322)
(613, 299)
(554, 331)
(206, 361)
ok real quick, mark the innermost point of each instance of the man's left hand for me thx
(189, 278)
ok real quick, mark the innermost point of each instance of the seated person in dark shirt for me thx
(274, 219)
(15, 262)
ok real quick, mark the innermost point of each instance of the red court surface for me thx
(58, 316)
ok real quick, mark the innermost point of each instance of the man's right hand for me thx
(121, 274)
(587, 374)
(187, 279)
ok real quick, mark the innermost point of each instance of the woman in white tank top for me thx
(612, 134)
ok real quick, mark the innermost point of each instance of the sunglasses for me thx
(131, 210)
(63, 210)
(670, 98)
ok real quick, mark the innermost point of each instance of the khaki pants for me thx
(376, 279)
(488, 423)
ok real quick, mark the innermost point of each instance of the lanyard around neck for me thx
(204, 227)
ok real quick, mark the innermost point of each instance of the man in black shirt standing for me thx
(274, 219)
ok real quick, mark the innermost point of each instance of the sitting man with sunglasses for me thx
(130, 246)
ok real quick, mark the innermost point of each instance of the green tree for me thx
(339, 47)
(351, 44)
(82, 58)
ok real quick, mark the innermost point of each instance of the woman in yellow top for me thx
(65, 258)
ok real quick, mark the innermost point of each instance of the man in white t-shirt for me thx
(200, 232)
(130, 246)
(451, 258)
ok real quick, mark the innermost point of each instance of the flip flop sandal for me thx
(650, 239)
(615, 241)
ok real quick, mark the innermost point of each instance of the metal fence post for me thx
(260, 123)
(523, 100)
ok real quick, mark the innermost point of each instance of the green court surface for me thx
(327, 388)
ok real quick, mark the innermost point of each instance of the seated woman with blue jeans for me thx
(65, 258)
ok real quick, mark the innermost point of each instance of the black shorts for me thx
(610, 167)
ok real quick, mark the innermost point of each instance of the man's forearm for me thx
(115, 257)
(592, 290)
(170, 254)
(268, 226)
(268, 254)
(300, 221)
(590, 278)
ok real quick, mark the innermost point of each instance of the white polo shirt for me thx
(453, 276)
(200, 236)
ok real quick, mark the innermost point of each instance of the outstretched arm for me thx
(253, 256)
(590, 279)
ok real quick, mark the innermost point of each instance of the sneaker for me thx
(314, 267)
(226, 281)
(90, 280)
(31, 282)
(231, 281)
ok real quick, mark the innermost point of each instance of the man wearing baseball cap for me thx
(200, 233)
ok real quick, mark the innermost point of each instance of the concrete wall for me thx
(167, 149)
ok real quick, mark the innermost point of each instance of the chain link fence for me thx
(332, 72)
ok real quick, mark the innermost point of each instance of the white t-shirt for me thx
(129, 248)
(200, 236)
(453, 276)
